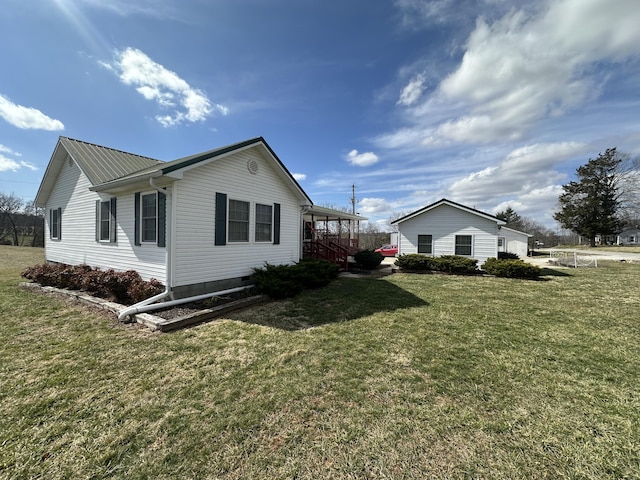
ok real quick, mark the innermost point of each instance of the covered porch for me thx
(331, 235)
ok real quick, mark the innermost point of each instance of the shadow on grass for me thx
(551, 272)
(344, 300)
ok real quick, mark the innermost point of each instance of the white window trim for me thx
(57, 213)
(238, 242)
(110, 217)
(418, 243)
(255, 222)
(141, 226)
(455, 244)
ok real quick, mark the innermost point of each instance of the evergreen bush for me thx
(285, 281)
(455, 264)
(368, 259)
(415, 261)
(511, 268)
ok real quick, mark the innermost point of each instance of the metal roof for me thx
(102, 164)
(444, 201)
(331, 214)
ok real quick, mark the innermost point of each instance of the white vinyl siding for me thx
(196, 257)
(515, 242)
(78, 227)
(444, 222)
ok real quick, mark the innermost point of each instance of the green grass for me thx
(407, 376)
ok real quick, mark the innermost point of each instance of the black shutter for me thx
(114, 226)
(221, 219)
(51, 223)
(276, 224)
(59, 223)
(136, 216)
(162, 219)
(97, 220)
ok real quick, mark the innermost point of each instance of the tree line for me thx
(21, 223)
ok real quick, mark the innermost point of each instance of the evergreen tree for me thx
(589, 206)
(510, 217)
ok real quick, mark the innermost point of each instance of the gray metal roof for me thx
(102, 164)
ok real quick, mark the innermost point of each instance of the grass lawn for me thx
(407, 376)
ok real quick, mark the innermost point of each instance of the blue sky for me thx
(489, 103)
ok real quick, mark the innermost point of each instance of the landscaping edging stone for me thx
(148, 320)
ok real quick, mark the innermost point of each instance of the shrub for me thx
(368, 259)
(142, 290)
(511, 268)
(455, 264)
(507, 256)
(316, 273)
(277, 281)
(285, 281)
(123, 287)
(446, 263)
(415, 261)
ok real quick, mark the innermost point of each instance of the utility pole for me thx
(353, 199)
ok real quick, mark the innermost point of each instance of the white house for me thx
(630, 236)
(449, 228)
(513, 241)
(197, 224)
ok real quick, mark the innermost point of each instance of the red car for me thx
(388, 250)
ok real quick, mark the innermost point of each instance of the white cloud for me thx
(523, 170)
(7, 164)
(27, 117)
(373, 205)
(155, 82)
(412, 91)
(300, 176)
(526, 66)
(9, 151)
(362, 159)
(527, 180)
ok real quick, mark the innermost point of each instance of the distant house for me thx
(630, 236)
(449, 228)
(198, 224)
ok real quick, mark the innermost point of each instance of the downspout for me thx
(142, 308)
(124, 313)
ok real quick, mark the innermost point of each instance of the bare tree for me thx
(10, 207)
(34, 218)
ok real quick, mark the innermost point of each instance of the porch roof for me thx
(324, 213)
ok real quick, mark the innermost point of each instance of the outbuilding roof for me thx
(444, 201)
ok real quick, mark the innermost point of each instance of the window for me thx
(149, 217)
(264, 219)
(463, 245)
(55, 220)
(425, 244)
(106, 220)
(238, 221)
